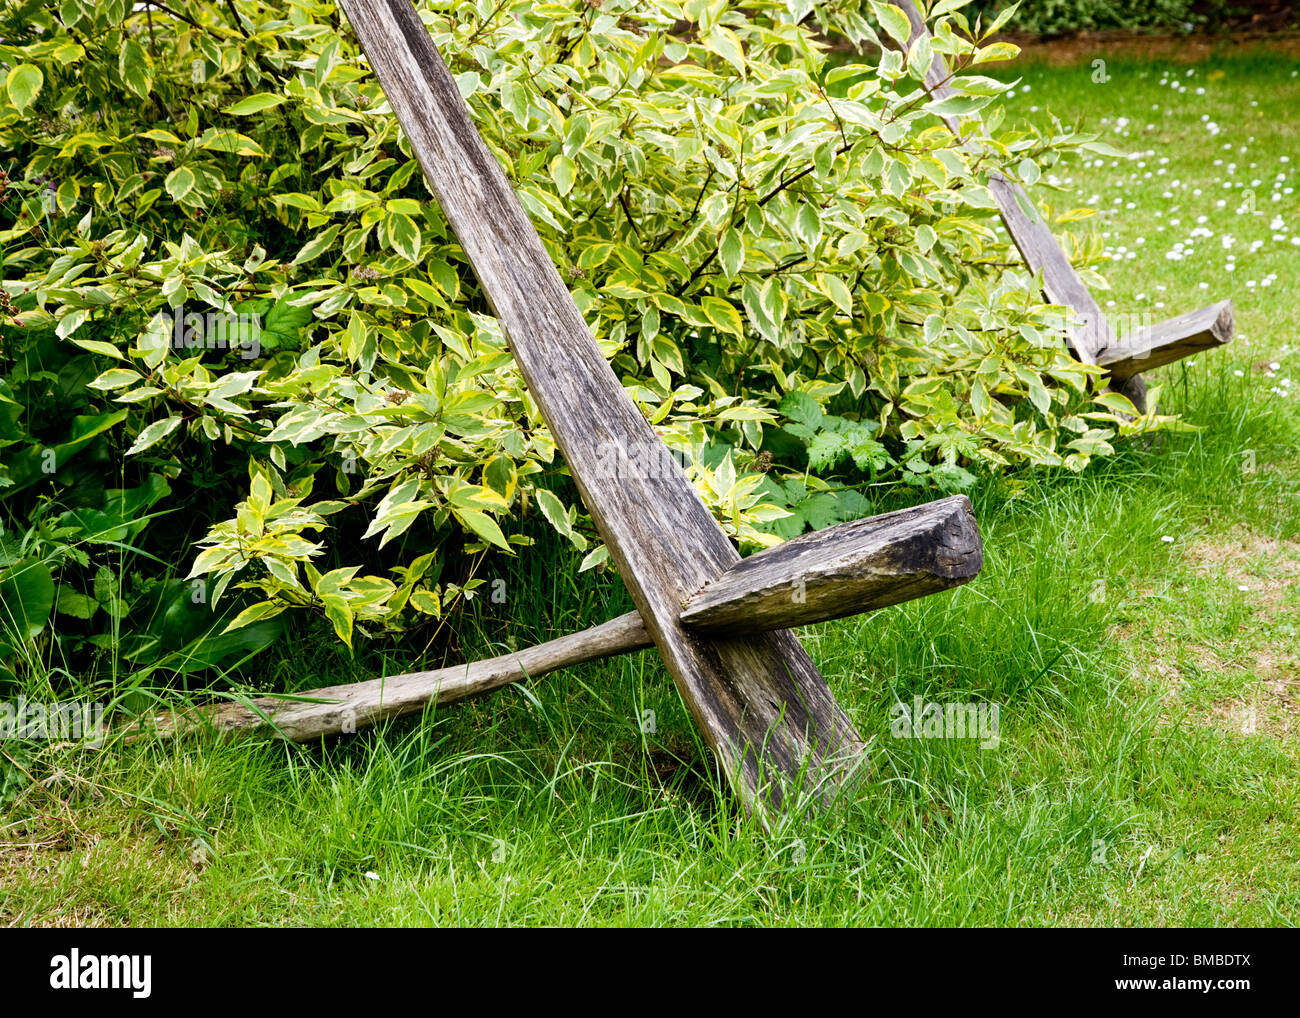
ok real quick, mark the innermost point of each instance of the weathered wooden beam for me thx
(1029, 232)
(760, 703)
(347, 708)
(1092, 339)
(844, 570)
(1168, 341)
(847, 569)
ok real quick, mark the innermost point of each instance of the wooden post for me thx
(759, 701)
(1093, 340)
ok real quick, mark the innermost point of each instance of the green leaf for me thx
(134, 66)
(553, 509)
(317, 246)
(229, 143)
(803, 408)
(483, 525)
(726, 44)
(563, 172)
(71, 322)
(23, 84)
(339, 613)
(154, 433)
(723, 316)
(257, 103)
(77, 606)
(115, 378)
(893, 21)
(180, 182)
(100, 347)
(839, 292)
(426, 602)
(808, 226)
(26, 599)
(731, 252)
(405, 236)
(957, 105)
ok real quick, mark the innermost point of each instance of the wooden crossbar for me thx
(847, 569)
(1168, 341)
(1092, 338)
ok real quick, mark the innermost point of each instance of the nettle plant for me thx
(790, 262)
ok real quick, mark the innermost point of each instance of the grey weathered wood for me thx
(1093, 339)
(336, 709)
(844, 570)
(1029, 232)
(1061, 283)
(760, 703)
(1169, 341)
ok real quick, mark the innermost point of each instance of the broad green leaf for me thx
(723, 316)
(405, 236)
(180, 182)
(71, 322)
(563, 172)
(26, 599)
(340, 615)
(314, 248)
(154, 433)
(483, 525)
(229, 143)
(257, 103)
(808, 225)
(553, 509)
(23, 84)
(255, 613)
(893, 21)
(135, 68)
(731, 252)
(116, 378)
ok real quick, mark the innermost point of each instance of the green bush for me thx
(791, 265)
(1057, 16)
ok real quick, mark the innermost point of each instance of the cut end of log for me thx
(844, 570)
(1169, 341)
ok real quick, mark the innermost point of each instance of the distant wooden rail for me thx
(1093, 340)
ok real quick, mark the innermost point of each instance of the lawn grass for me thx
(1147, 770)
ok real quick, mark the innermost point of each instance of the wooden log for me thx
(1169, 341)
(345, 708)
(844, 570)
(761, 705)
